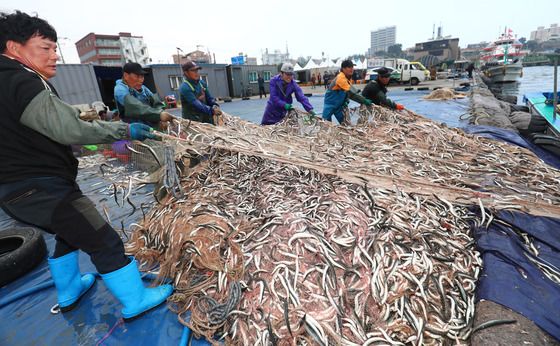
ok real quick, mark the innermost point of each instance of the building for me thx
(275, 58)
(542, 34)
(112, 50)
(472, 52)
(198, 56)
(167, 79)
(76, 84)
(382, 38)
(436, 51)
(242, 79)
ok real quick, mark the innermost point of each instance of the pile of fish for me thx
(308, 233)
(444, 94)
(264, 253)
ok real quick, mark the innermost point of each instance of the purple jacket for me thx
(275, 110)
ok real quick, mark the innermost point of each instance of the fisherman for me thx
(377, 91)
(196, 100)
(38, 175)
(339, 92)
(135, 102)
(282, 86)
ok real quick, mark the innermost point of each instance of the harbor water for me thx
(535, 79)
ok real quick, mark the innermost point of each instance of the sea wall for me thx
(487, 109)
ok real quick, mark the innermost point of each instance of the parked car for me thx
(170, 101)
(371, 74)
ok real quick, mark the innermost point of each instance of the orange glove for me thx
(399, 107)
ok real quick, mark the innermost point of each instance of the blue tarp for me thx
(508, 277)
(96, 320)
(514, 138)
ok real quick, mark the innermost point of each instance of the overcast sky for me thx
(337, 28)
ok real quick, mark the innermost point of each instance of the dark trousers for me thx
(262, 92)
(58, 206)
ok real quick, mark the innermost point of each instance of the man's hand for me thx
(165, 116)
(140, 132)
(399, 107)
(216, 110)
(288, 106)
(368, 102)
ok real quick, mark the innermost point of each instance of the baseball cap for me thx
(347, 63)
(133, 67)
(384, 72)
(190, 65)
(287, 68)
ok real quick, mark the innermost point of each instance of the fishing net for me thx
(310, 233)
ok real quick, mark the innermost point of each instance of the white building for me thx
(275, 58)
(134, 49)
(542, 34)
(382, 38)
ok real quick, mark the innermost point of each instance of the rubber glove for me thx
(312, 112)
(216, 110)
(140, 132)
(288, 106)
(399, 107)
(368, 102)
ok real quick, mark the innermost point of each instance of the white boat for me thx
(502, 59)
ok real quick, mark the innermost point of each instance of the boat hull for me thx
(504, 73)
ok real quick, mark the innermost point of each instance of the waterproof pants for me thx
(58, 206)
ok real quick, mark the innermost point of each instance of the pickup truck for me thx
(409, 72)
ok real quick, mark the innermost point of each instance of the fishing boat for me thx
(545, 123)
(502, 59)
(544, 107)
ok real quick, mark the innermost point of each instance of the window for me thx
(109, 51)
(266, 75)
(175, 82)
(253, 76)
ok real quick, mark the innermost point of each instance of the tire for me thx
(414, 81)
(537, 124)
(21, 250)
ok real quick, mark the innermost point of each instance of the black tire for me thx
(21, 249)
(414, 81)
(547, 142)
(520, 108)
(537, 124)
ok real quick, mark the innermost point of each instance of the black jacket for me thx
(24, 152)
(378, 94)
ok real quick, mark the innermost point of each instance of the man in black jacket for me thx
(377, 91)
(38, 170)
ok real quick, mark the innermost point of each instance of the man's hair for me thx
(20, 27)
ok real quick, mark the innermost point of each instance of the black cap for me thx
(384, 72)
(347, 63)
(133, 67)
(190, 65)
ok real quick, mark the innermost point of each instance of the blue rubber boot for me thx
(127, 286)
(70, 284)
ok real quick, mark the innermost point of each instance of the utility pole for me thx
(60, 48)
(60, 51)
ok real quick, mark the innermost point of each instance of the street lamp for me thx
(179, 56)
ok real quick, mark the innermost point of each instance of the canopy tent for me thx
(360, 65)
(310, 65)
(298, 68)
